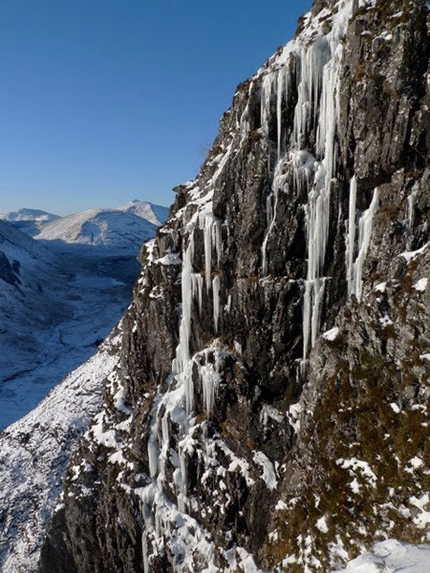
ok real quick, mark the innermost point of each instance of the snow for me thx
(381, 287)
(322, 524)
(28, 221)
(421, 285)
(415, 463)
(422, 520)
(359, 468)
(268, 471)
(293, 415)
(391, 556)
(31, 482)
(385, 321)
(65, 305)
(331, 335)
(169, 259)
(411, 255)
(386, 36)
(269, 412)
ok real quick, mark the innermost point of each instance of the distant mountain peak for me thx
(155, 214)
(26, 214)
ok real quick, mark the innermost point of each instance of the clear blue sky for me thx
(106, 101)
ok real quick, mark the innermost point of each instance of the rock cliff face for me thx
(270, 407)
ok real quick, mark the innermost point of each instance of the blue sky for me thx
(106, 101)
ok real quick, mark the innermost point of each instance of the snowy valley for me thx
(61, 293)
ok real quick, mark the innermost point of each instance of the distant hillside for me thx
(28, 277)
(98, 231)
(28, 220)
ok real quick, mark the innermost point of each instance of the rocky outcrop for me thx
(233, 435)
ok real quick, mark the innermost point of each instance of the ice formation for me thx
(355, 283)
(306, 153)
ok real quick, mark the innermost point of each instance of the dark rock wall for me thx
(232, 433)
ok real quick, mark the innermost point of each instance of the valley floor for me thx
(96, 292)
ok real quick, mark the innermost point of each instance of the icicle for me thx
(279, 184)
(350, 244)
(163, 445)
(210, 375)
(197, 289)
(182, 495)
(207, 237)
(411, 216)
(182, 365)
(216, 289)
(266, 92)
(153, 453)
(146, 495)
(145, 553)
(364, 234)
(317, 224)
(319, 288)
(183, 349)
(271, 216)
(217, 239)
(187, 380)
(279, 113)
(317, 108)
(411, 207)
(212, 238)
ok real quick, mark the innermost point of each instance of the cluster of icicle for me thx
(315, 60)
(176, 408)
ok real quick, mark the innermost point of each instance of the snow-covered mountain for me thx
(98, 232)
(28, 215)
(29, 221)
(155, 214)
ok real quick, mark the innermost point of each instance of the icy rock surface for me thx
(234, 435)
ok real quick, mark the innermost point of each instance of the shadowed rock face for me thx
(9, 272)
(234, 436)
